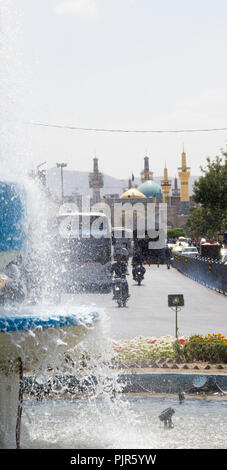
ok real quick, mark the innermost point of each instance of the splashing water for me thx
(128, 423)
(14, 145)
(95, 415)
(53, 351)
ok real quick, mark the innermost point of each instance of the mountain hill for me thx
(78, 182)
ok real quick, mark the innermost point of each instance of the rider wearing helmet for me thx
(137, 260)
(120, 269)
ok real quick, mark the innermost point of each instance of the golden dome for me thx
(132, 193)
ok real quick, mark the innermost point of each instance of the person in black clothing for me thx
(125, 253)
(167, 256)
(137, 260)
(120, 269)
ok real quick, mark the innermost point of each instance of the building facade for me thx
(177, 199)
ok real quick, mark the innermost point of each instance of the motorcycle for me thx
(120, 291)
(139, 274)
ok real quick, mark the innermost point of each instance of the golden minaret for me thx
(184, 175)
(166, 185)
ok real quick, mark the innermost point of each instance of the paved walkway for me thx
(148, 314)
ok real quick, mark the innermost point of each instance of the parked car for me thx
(224, 259)
(223, 254)
(189, 251)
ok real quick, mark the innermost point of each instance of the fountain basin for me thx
(35, 334)
(129, 422)
(31, 339)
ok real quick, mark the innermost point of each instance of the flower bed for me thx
(210, 348)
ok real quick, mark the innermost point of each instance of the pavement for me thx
(147, 312)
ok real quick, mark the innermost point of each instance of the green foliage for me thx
(211, 349)
(203, 221)
(175, 233)
(210, 191)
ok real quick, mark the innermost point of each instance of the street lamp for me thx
(176, 301)
(61, 165)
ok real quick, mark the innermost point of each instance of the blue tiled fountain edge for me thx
(30, 322)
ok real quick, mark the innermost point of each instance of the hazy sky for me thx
(130, 64)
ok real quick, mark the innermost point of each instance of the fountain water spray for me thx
(31, 336)
(41, 341)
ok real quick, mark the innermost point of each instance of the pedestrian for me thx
(167, 256)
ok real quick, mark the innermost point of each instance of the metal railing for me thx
(211, 273)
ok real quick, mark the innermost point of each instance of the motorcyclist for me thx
(120, 269)
(125, 253)
(137, 260)
(12, 283)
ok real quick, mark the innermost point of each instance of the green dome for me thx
(151, 189)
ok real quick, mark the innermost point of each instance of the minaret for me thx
(96, 181)
(184, 175)
(166, 185)
(175, 190)
(146, 174)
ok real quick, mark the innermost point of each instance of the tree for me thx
(210, 191)
(201, 222)
(176, 232)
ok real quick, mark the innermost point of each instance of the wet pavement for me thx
(147, 312)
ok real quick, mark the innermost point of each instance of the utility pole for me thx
(62, 165)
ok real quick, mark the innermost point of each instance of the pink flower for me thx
(182, 341)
